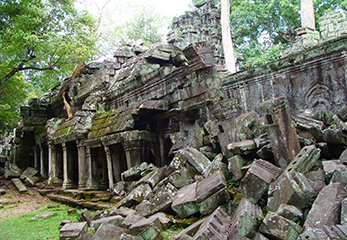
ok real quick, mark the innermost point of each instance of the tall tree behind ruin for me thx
(226, 38)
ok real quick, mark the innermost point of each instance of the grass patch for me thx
(20, 226)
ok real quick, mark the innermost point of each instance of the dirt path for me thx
(18, 203)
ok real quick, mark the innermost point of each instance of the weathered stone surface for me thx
(181, 177)
(198, 160)
(291, 188)
(281, 131)
(31, 181)
(210, 204)
(209, 186)
(326, 209)
(113, 220)
(279, 227)
(19, 185)
(152, 231)
(218, 165)
(184, 203)
(9, 174)
(29, 172)
(340, 176)
(331, 166)
(235, 165)
(305, 160)
(259, 236)
(152, 178)
(139, 226)
(73, 230)
(126, 236)
(136, 196)
(85, 216)
(86, 236)
(43, 215)
(243, 147)
(246, 219)
(208, 152)
(215, 226)
(290, 212)
(344, 212)
(108, 232)
(124, 212)
(258, 178)
(326, 232)
(134, 173)
(130, 219)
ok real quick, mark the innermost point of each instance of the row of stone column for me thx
(86, 180)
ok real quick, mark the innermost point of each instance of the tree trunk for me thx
(226, 38)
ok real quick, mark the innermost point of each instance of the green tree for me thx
(43, 40)
(127, 23)
(262, 28)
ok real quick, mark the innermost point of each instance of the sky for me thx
(169, 8)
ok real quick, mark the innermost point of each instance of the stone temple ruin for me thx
(167, 129)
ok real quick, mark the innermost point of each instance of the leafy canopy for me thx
(262, 28)
(46, 36)
(41, 41)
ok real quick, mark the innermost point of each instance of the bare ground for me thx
(18, 203)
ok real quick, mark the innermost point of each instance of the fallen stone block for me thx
(126, 236)
(344, 212)
(278, 227)
(243, 147)
(152, 178)
(124, 212)
(85, 216)
(160, 201)
(218, 165)
(326, 232)
(19, 185)
(29, 172)
(73, 230)
(134, 173)
(215, 226)
(305, 160)
(208, 152)
(213, 202)
(259, 236)
(281, 131)
(136, 196)
(196, 159)
(235, 164)
(246, 220)
(31, 181)
(43, 215)
(108, 232)
(291, 188)
(182, 177)
(152, 232)
(257, 179)
(265, 152)
(331, 166)
(290, 212)
(189, 232)
(113, 220)
(86, 236)
(209, 186)
(9, 174)
(326, 209)
(318, 175)
(141, 225)
(131, 219)
(184, 203)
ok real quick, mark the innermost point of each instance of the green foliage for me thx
(43, 40)
(262, 28)
(12, 95)
(19, 226)
(139, 23)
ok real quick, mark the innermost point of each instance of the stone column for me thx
(67, 183)
(91, 183)
(307, 15)
(281, 130)
(116, 161)
(109, 167)
(132, 150)
(43, 165)
(82, 166)
(36, 158)
(52, 167)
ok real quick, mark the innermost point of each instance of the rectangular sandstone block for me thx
(19, 185)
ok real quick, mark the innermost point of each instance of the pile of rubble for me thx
(279, 184)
